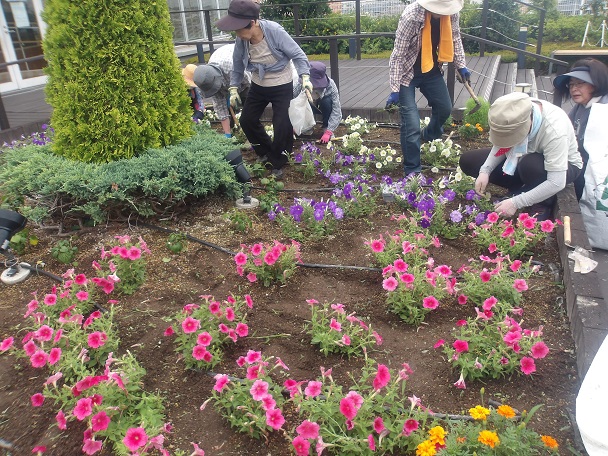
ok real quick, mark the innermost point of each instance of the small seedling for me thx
(176, 242)
(64, 251)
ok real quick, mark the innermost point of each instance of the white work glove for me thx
(505, 208)
(306, 84)
(235, 99)
(481, 183)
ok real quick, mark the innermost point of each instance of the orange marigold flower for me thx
(479, 413)
(549, 441)
(461, 439)
(506, 411)
(426, 448)
(488, 438)
(437, 435)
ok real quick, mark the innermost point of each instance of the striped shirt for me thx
(408, 43)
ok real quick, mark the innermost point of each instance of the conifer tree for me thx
(115, 83)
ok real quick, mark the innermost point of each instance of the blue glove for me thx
(465, 74)
(393, 100)
(228, 135)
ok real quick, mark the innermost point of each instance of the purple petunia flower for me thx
(338, 213)
(449, 194)
(471, 195)
(456, 216)
(296, 212)
(272, 215)
(480, 218)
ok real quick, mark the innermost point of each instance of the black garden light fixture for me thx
(235, 158)
(11, 222)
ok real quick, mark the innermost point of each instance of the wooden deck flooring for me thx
(363, 91)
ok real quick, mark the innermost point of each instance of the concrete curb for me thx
(585, 304)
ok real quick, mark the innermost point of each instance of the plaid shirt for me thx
(408, 43)
(222, 58)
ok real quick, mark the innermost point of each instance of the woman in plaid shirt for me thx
(428, 35)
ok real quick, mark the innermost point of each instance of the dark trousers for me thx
(325, 105)
(259, 97)
(530, 171)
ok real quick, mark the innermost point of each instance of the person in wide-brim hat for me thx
(534, 155)
(428, 35)
(196, 97)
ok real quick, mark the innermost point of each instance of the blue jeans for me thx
(433, 88)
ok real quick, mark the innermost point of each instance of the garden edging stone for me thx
(586, 304)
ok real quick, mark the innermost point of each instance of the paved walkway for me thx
(363, 91)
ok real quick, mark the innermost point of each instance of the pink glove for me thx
(326, 137)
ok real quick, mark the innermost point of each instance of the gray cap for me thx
(208, 78)
(582, 73)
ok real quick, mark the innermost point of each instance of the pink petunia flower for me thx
(489, 303)
(346, 340)
(252, 277)
(190, 325)
(390, 284)
(100, 421)
(97, 339)
(485, 276)
(61, 421)
(460, 346)
(356, 397)
(37, 400)
(377, 245)
(515, 265)
(253, 356)
(39, 358)
(382, 378)
(301, 445)
(439, 343)
(347, 408)
(268, 402)
(539, 350)
(258, 390)
(492, 247)
(221, 380)
(492, 217)
(269, 259)
(240, 259)
(308, 429)
(135, 438)
(547, 226)
(400, 265)
(313, 389)
(527, 365)
(371, 442)
(407, 278)
(83, 408)
(7, 343)
(410, 426)
(204, 339)
(460, 384)
(256, 249)
(198, 352)
(169, 331)
(275, 419)
(430, 302)
(378, 425)
(520, 285)
(54, 355)
(91, 446)
(242, 329)
(335, 325)
(462, 299)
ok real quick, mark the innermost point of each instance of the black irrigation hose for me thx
(295, 190)
(41, 271)
(230, 252)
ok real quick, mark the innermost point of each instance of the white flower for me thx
(445, 153)
(432, 148)
(435, 170)
(378, 165)
(355, 126)
(383, 153)
(448, 142)
(355, 135)
(389, 159)
(364, 149)
(458, 176)
(398, 159)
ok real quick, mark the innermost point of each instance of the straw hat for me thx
(188, 74)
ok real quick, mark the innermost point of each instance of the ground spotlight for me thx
(235, 158)
(11, 223)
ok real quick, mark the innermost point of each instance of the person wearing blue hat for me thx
(325, 98)
(585, 84)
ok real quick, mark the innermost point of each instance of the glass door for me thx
(21, 31)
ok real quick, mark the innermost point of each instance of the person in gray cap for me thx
(585, 84)
(264, 48)
(534, 154)
(196, 96)
(214, 81)
(326, 99)
(428, 35)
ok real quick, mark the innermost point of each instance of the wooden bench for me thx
(575, 54)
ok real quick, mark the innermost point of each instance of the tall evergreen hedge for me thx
(115, 83)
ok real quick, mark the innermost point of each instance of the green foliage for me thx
(40, 184)
(502, 23)
(21, 240)
(64, 251)
(176, 242)
(570, 28)
(478, 117)
(114, 79)
(239, 220)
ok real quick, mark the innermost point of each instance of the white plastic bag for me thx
(593, 201)
(300, 114)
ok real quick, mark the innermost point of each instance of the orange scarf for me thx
(445, 52)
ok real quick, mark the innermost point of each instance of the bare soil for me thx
(276, 325)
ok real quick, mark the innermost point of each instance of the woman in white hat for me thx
(534, 154)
